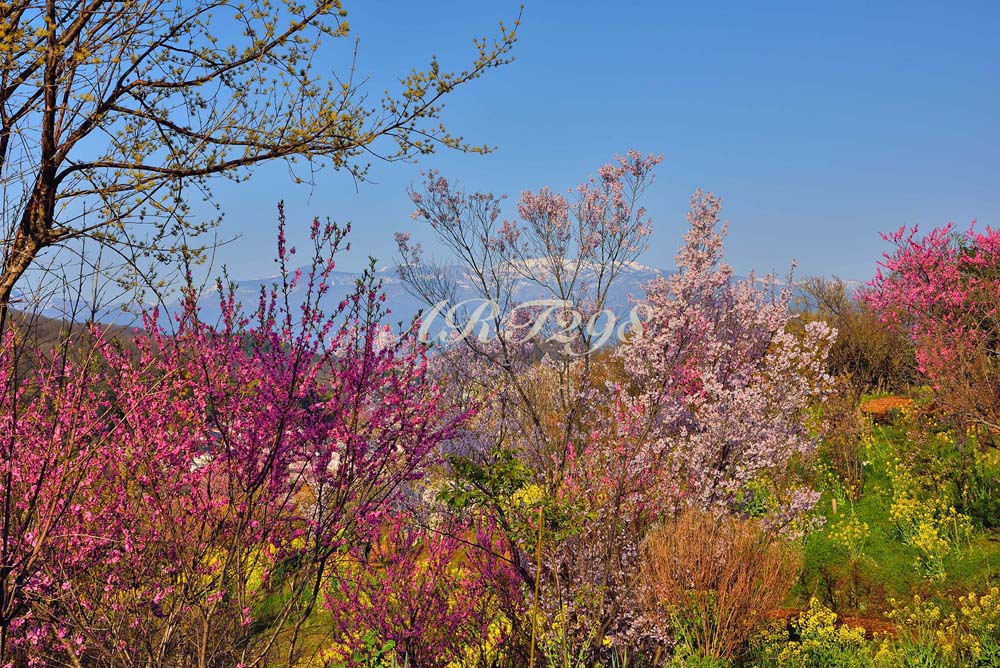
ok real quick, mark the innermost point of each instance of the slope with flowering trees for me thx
(577, 453)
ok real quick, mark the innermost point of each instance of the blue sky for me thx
(819, 124)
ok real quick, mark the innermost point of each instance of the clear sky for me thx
(819, 124)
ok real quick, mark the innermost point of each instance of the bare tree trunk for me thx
(33, 232)
(24, 249)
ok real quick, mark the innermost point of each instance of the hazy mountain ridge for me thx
(403, 306)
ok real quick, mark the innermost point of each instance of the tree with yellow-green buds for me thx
(111, 111)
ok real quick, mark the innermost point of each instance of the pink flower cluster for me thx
(945, 288)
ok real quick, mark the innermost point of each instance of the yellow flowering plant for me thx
(925, 520)
(851, 534)
(821, 641)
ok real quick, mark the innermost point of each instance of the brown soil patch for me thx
(880, 408)
(873, 626)
(787, 615)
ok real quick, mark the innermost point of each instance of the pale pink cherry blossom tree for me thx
(723, 375)
(572, 251)
(712, 397)
(534, 397)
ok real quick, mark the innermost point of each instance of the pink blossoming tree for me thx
(944, 290)
(191, 501)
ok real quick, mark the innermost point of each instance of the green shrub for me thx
(980, 497)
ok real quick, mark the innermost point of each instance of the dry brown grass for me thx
(843, 428)
(875, 356)
(709, 580)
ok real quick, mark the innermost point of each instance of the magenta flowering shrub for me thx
(62, 505)
(442, 595)
(943, 278)
(192, 499)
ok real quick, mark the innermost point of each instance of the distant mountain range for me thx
(403, 306)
